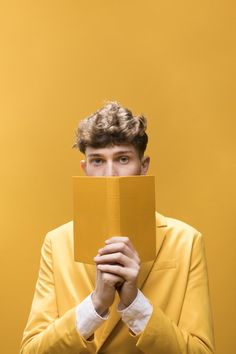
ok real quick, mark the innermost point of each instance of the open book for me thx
(114, 206)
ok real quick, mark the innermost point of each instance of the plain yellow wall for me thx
(59, 61)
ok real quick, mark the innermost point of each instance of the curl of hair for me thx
(112, 125)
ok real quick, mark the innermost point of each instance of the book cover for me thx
(114, 206)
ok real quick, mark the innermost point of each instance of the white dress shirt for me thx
(135, 316)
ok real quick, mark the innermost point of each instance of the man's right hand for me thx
(104, 293)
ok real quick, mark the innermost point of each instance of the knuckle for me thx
(136, 268)
(117, 269)
(119, 256)
(133, 275)
(123, 247)
(106, 278)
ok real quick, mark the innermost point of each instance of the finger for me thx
(109, 277)
(114, 258)
(123, 239)
(118, 247)
(115, 239)
(129, 274)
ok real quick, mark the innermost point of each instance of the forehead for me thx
(111, 150)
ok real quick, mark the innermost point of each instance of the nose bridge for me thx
(110, 168)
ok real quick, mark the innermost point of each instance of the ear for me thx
(83, 166)
(145, 165)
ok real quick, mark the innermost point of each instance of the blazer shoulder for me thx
(61, 231)
(181, 239)
(174, 224)
(181, 226)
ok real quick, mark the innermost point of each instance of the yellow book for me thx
(114, 206)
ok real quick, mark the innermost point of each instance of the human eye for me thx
(123, 159)
(97, 161)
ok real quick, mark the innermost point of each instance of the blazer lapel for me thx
(145, 269)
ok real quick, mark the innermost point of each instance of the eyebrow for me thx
(94, 155)
(116, 153)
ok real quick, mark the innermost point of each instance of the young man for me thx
(119, 305)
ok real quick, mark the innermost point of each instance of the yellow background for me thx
(172, 60)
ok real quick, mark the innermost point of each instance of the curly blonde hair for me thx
(112, 125)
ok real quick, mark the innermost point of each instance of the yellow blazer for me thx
(176, 284)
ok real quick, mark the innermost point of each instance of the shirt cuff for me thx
(137, 314)
(87, 319)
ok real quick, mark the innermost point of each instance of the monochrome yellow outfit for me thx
(176, 284)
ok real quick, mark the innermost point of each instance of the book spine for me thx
(113, 207)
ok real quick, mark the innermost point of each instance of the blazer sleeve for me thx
(194, 332)
(45, 331)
